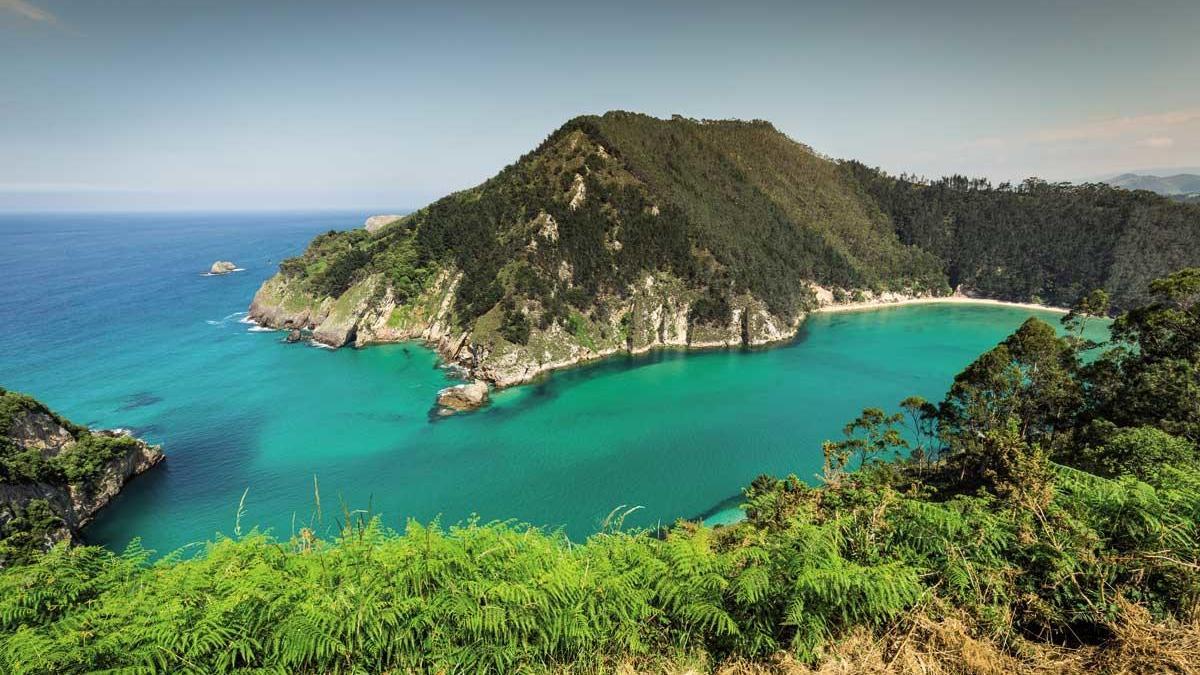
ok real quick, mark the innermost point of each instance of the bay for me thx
(109, 319)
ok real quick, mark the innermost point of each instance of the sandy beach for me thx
(947, 300)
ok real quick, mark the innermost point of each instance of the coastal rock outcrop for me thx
(376, 223)
(222, 267)
(75, 473)
(463, 397)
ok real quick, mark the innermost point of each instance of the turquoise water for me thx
(109, 321)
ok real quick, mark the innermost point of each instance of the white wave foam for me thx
(319, 345)
(260, 329)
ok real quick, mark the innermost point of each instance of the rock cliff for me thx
(57, 473)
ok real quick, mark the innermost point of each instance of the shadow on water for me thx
(141, 399)
(180, 477)
(553, 384)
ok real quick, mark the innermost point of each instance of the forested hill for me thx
(619, 232)
(625, 232)
(1051, 242)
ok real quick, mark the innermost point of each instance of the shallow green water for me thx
(126, 333)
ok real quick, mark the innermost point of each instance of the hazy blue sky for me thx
(190, 104)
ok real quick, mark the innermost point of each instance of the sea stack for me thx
(222, 267)
(462, 397)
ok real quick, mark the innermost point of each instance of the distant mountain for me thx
(1177, 184)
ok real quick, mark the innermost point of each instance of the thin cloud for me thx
(1092, 147)
(28, 10)
(1157, 142)
(1118, 127)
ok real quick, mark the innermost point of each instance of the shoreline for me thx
(947, 300)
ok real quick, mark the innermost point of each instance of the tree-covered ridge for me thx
(767, 204)
(1044, 517)
(1042, 241)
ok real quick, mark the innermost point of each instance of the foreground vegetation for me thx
(1043, 517)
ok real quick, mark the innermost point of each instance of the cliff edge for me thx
(55, 475)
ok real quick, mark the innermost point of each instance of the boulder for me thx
(222, 267)
(376, 223)
(295, 335)
(463, 397)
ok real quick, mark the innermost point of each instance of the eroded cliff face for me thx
(74, 502)
(653, 313)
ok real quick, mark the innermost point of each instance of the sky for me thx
(244, 104)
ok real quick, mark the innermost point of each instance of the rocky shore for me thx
(73, 499)
(462, 397)
(655, 313)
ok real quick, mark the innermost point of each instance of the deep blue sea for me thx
(110, 320)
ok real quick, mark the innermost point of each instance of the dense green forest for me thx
(1042, 517)
(1048, 242)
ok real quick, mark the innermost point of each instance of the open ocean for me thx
(110, 320)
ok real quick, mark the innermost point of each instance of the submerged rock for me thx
(222, 267)
(463, 397)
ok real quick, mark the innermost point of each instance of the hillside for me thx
(624, 232)
(55, 475)
(620, 232)
(1048, 242)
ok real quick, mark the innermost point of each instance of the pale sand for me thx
(948, 300)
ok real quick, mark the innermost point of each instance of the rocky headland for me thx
(623, 233)
(55, 475)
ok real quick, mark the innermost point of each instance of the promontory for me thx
(56, 475)
(624, 232)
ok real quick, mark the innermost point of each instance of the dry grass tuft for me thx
(920, 645)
